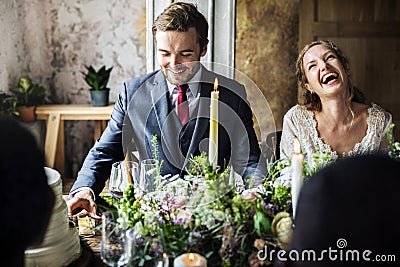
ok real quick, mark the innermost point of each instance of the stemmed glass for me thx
(148, 175)
(112, 241)
(119, 177)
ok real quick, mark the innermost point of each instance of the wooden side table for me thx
(55, 115)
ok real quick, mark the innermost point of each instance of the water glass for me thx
(148, 175)
(119, 177)
(86, 224)
(112, 241)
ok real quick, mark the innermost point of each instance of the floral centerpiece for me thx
(203, 213)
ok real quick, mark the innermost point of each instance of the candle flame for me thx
(216, 84)
(296, 146)
(191, 257)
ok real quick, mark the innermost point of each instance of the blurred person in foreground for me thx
(25, 194)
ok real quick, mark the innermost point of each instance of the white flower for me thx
(282, 229)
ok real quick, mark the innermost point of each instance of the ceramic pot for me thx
(27, 114)
(100, 97)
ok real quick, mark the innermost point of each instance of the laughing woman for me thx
(335, 117)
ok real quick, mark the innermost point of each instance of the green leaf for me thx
(261, 223)
(97, 80)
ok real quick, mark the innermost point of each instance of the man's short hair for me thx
(180, 16)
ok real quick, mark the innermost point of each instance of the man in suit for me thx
(148, 106)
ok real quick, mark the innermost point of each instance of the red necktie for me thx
(183, 108)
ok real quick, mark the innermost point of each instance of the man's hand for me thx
(82, 200)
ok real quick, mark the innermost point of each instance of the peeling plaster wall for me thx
(92, 32)
(23, 47)
(97, 33)
(12, 46)
(52, 40)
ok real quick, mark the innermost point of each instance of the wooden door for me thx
(368, 32)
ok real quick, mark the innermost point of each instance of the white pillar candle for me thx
(213, 137)
(297, 173)
(190, 260)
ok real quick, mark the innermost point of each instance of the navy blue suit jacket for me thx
(143, 109)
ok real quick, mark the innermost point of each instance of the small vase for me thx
(100, 97)
(27, 114)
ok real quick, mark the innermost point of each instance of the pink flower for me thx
(254, 261)
(184, 217)
(177, 202)
(174, 203)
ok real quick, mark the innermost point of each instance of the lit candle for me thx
(213, 139)
(190, 260)
(297, 173)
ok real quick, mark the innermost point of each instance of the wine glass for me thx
(119, 177)
(112, 250)
(148, 175)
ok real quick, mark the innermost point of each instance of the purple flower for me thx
(196, 234)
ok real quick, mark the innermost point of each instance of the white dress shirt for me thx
(192, 92)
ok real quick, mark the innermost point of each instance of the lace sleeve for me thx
(384, 146)
(289, 132)
(293, 121)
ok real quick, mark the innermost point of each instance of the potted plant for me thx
(8, 105)
(98, 80)
(28, 95)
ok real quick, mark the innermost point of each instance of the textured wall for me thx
(14, 53)
(92, 32)
(52, 40)
(266, 51)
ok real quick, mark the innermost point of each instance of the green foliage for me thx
(199, 166)
(394, 147)
(97, 80)
(320, 159)
(29, 93)
(8, 104)
(154, 142)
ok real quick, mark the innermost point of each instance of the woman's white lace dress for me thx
(300, 122)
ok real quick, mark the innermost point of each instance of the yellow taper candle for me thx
(213, 139)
